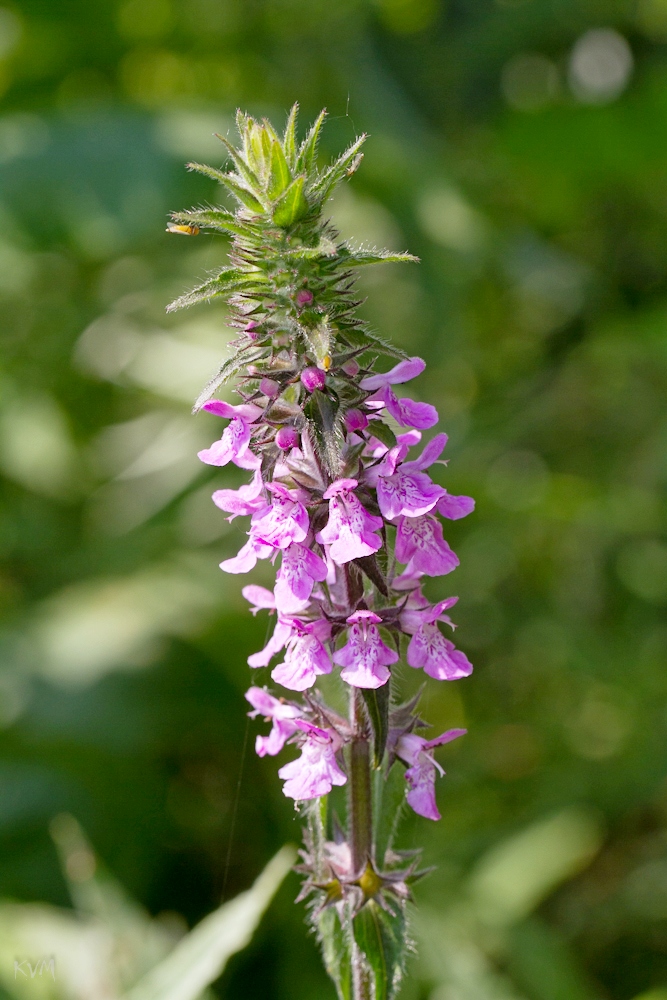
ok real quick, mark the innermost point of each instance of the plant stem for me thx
(361, 814)
(361, 980)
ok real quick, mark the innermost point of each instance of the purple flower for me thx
(305, 657)
(281, 635)
(287, 437)
(365, 658)
(259, 597)
(428, 647)
(296, 576)
(407, 489)
(420, 775)
(246, 500)
(313, 378)
(282, 714)
(405, 411)
(247, 556)
(355, 420)
(350, 528)
(420, 543)
(233, 445)
(285, 521)
(316, 771)
(455, 507)
(304, 297)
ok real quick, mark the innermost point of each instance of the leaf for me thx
(248, 175)
(359, 258)
(322, 417)
(227, 370)
(280, 176)
(336, 951)
(229, 280)
(377, 703)
(247, 198)
(335, 173)
(210, 218)
(289, 139)
(291, 206)
(308, 152)
(199, 958)
(387, 809)
(381, 938)
(378, 429)
(358, 339)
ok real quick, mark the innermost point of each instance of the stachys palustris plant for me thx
(341, 498)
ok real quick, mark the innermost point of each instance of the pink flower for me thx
(365, 658)
(350, 530)
(247, 556)
(428, 647)
(246, 500)
(408, 490)
(420, 543)
(233, 445)
(313, 378)
(455, 507)
(282, 714)
(355, 420)
(305, 657)
(316, 771)
(284, 522)
(405, 411)
(420, 775)
(304, 297)
(280, 637)
(296, 576)
(259, 597)
(287, 437)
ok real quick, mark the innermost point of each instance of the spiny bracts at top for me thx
(351, 515)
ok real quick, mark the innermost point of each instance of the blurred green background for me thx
(519, 147)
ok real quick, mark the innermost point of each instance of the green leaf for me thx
(322, 415)
(388, 807)
(229, 280)
(358, 339)
(228, 370)
(199, 957)
(212, 218)
(289, 139)
(377, 703)
(291, 206)
(336, 951)
(248, 175)
(246, 197)
(335, 173)
(382, 432)
(359, 258)
(381, 938)
(308, 152)
(280, 176)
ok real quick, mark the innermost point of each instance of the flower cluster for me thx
(341, 501)
(334, 604)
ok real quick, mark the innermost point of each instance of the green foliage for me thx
(380, 936)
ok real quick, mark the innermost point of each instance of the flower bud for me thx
(304, 297)
(251, 329)
(287, 438)
(355, 420)
(313, 378)
(351, 368)
(269, 387)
